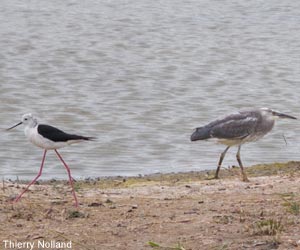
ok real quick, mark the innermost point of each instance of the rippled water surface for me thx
(140, 75)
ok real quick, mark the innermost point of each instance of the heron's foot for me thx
(215, 177)
(245, 179)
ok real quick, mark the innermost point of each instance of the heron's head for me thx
(275, 114)
(28, 120)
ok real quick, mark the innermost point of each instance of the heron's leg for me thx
(238, 157)
(220, 162)
(70, 177)
(35, 179)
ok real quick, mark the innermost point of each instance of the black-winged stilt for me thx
(48, 138)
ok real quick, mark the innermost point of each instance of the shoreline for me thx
(256, 170)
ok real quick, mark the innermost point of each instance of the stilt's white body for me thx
(34, 137)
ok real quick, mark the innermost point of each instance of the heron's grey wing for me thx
(237, 126)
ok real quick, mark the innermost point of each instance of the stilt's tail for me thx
(88, 138)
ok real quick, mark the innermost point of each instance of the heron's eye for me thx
(25, 119)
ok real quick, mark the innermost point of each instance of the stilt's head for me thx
(28, 120)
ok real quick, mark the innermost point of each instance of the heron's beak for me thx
(14, 126)
(281, 115)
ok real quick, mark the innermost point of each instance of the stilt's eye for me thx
(26, 119)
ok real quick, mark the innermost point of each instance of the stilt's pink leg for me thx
(70, 177)
(35, 179)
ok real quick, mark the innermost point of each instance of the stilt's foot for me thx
(15, 200)
(12, 201)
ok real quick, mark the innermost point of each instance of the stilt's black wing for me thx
(57, 135)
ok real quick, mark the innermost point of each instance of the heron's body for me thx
(239, 128)
(48, 138)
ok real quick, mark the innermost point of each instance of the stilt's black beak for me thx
(14, 126)
(281, 115)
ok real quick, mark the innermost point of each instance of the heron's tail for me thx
(201, 133)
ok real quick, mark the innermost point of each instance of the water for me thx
(140, 75)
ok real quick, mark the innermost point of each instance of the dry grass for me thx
(181, 211)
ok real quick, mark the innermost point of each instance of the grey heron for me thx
(237, 129)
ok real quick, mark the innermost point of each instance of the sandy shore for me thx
(171, 211)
